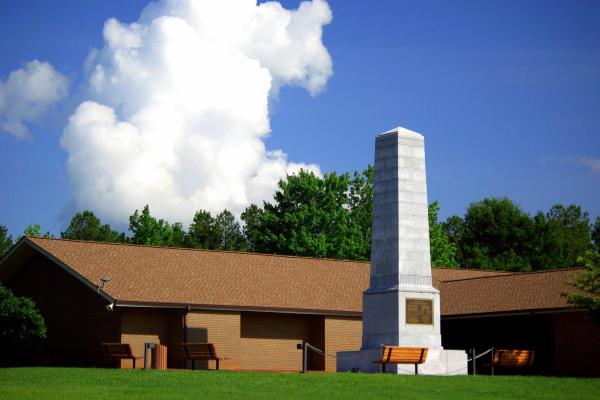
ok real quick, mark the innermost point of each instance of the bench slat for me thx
(119, 351)
(402, 355)
(201, 351)
(512, 358)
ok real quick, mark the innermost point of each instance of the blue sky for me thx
(507, 95)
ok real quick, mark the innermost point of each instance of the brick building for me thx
(256, 308)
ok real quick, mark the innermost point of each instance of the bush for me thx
(19, 317)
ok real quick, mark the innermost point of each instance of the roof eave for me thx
(511, 313)
(213, 307)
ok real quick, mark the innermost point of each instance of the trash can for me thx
(155, 356)
(159, 358)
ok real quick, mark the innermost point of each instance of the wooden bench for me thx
(119, 351)
(402, 355)
(502, 358)
(201, 351)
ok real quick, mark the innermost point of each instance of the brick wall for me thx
(141, 325)
(341, 334)
(75, 316)
(222, 328)
(250, 340)
(268, 340)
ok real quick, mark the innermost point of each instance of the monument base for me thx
(439, 362)
(389, 317)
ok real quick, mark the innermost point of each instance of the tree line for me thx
(330, 216)
(496, 234)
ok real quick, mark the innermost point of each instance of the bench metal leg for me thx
(416, 369)
(134, 363)
(383, 368)
(217, 364)
(193, 365)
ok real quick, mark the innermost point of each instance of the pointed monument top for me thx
(400, 131)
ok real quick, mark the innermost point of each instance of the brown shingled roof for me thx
(144, 274)
(221, 279)
(506, 293)
(440, 275)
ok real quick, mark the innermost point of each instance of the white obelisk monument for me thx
(401, 307)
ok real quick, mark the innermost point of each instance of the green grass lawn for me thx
(80, 383)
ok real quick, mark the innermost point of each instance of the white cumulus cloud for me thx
(178, 106)
(27, 95)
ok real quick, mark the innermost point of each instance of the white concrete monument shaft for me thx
(400, 247)
(400, 255)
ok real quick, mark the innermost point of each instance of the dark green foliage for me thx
(220, 233)
(179, 235)
(86, 226)
(307, 217)
(252, 218)
(201, 231)
(149, 231)
(588, 282)
(228, 232)
(360, 202)
(443, 252)
(310, 216)
(453, 228)
(496, 234)
(562, 235)
(596, 234)
(5, 240)
(19, 317)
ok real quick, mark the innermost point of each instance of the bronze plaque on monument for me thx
(419, 311)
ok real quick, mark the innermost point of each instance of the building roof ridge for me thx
(491, 271)
(509, 275)
(199, 250)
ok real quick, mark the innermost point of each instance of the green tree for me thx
(153, 232)
(309, 217)
(360, 202)
(201, 233)
(5, 240)
(86, 226)
(453, 228)
(443, 252)
(220, 233)
(179, 235)
(497, 234)
(596, 234)
(562, 236)
(19, 317)
(228, 232)
(588, 283)
(35, 230)
(252, 217)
